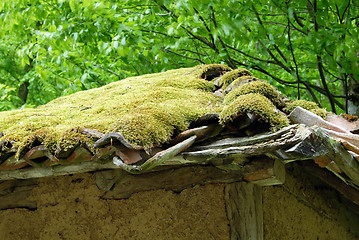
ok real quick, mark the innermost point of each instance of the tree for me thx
(307, 48)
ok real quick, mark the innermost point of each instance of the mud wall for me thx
(304, 208)
(71, 208)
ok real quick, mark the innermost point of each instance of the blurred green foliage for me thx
(50, 48)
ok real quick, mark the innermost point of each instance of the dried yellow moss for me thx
(260, 87)
(256, 104)
(308, 105)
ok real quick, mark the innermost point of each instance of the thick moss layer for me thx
(256, 104)
(310, 106)
(211, 71)
(229, 77)
(146, 109)
(260, 87)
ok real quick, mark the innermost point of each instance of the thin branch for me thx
(341, 17)
(181, 55)
(206, 26)
(278, 14)
(299, 30)
(230, 61)
(275, 46)
(297, 19)
(250, 56)
(106, 69)
(161, 33)
(313, 7)
(194, 52)
(293, 57)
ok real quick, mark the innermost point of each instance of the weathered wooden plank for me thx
(267, 176)
(291, 136)
(58, 170)
(202, 133)
(339, 155)
(180, 178)
(245, 141)
(311, 147)
(301, 115)
(158, 158)
(343, 122)
(348, 191)
(244, 211)
(353, 139)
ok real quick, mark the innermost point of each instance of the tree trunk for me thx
(353, 103)
(23, 91)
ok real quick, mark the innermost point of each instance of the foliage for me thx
(308, 48)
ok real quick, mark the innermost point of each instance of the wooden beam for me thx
(274, 175)
(123, 184)
(339, 155)
(244, 210)
(58, 170)
(326, 176)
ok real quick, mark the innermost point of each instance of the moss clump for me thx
(308, 105)
(239, 81)
(260, 87)
(147, 109)
(349, 117)
(229, 77)
(210, 71)
(256, 104)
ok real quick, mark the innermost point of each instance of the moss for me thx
(308, 105)
(229, 77)
(256, 104)
(238, 82)
(211, 71)
(260, 87)
(147, 109)
(349, 117)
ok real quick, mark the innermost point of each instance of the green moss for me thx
(260, 87)
(308, 105)
(210, 71)
(147, 110)
(229, 77)
(256, 104)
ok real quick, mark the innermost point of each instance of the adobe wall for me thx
(305, 209)
(71, 207)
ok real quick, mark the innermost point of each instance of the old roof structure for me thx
(208, 115)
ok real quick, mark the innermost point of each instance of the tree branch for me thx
(312, 7)
(184, 56)
(293, 56)
(206, 26)
(275, 46)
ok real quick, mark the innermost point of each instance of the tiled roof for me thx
(207, 114)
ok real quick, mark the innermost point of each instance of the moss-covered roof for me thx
(148, 110)
(143, 113)
(208, 114)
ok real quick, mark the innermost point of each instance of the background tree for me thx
(307, 48)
